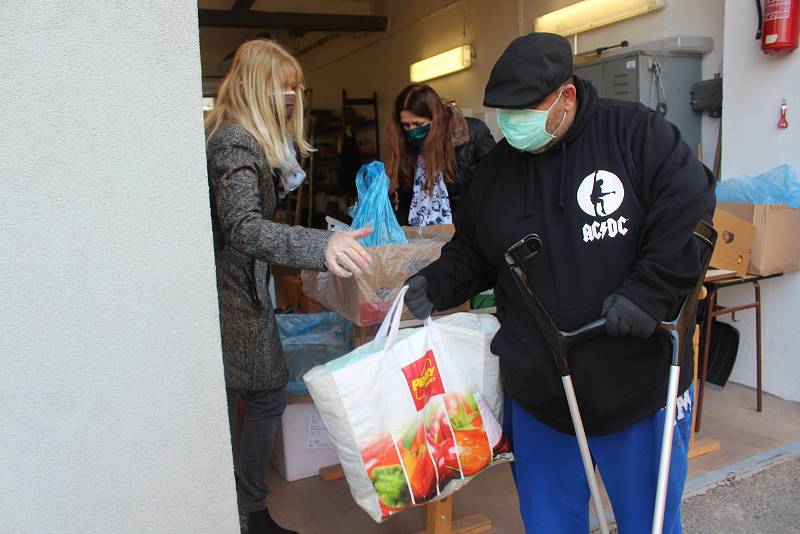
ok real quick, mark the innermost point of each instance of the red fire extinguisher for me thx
(778, 25)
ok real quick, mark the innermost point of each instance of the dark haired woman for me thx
(433, 149)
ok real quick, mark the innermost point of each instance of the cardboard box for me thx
(308, 305)
(776, 247)
(292, 290)
(365, 299)
(734, 241)
(285, 288)
(302, 444)
(289, 292)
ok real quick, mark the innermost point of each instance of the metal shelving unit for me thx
(324, 127)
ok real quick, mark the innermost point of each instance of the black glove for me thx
(624, 318)
(416, 299)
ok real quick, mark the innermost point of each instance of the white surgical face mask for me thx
(292, 177)
(526, 129)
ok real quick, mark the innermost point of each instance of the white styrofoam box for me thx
(302, 445)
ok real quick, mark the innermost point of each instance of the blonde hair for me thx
(262, 68)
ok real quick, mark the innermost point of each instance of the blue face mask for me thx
(525, 129)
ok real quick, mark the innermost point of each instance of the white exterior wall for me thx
(754, 86)
(112, 401)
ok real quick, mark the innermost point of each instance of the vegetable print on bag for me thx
(414, 413)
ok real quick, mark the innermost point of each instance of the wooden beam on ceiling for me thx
(316, 44)
(300, 22)
(242, 5)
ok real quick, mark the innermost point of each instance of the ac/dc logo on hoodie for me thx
(600, 195)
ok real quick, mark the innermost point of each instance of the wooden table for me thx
(440, 520)
(699, 447)
(713, 283)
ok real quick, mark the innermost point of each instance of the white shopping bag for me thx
(408, 419)
(469, 337)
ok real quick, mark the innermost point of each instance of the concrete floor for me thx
(312, 506)
(730, 416)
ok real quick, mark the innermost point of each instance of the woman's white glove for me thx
(345, 256)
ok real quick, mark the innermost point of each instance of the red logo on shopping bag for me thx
(424, 380)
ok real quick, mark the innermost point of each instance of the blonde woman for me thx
(257, 118)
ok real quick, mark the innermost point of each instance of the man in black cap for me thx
(615, 195)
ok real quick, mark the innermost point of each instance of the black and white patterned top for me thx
(429, 209)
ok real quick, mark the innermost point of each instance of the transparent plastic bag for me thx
(311, 339)
(374, 208)
(365, 299)
(776, 186)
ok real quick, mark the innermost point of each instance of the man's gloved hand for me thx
(624, 318)
(416, 298)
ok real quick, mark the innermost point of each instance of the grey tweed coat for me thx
(246, 241)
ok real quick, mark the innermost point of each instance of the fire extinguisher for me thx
(778, 25)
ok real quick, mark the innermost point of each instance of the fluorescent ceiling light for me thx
(454, 60)
(589, 14)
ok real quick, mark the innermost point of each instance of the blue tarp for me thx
(776, 186)
(311, 339)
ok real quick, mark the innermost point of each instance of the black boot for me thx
(262, 523)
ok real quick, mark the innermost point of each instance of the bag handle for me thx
(395, 309)
(433, 330)
(398, 313)
(391, 326)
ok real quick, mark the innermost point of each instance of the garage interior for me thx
(356, 56)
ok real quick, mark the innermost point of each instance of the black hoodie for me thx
(615, 203)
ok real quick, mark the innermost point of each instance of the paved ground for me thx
(767, 502)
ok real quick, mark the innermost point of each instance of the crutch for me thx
(560, 343)
(678, 330)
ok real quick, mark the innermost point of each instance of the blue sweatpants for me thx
(551, 483)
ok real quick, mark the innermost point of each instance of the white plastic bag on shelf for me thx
(412, 414)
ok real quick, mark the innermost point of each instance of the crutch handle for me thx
(523, 250)
(586, 332)
(669, 331)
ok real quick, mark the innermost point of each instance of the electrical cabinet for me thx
(659, 81)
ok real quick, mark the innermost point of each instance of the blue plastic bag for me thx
(374, 208)
(311, 339)
(776, 186)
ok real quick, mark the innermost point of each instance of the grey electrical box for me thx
(661, 81)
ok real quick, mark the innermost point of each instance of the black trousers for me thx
(257, 437)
